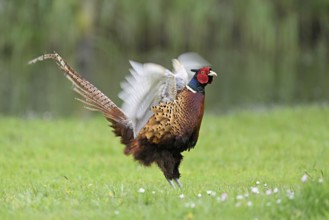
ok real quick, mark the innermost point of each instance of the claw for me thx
(171, 183)
(178, 182)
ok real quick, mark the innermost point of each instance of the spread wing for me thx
(150, 84)
(190, 61)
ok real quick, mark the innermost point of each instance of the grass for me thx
(246, 165)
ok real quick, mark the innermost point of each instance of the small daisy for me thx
(257, 182)
(275, 190)
(249, 203)
(304, 178)
(254, 190)
(209, 192)
(239, 197)
(199, 195)
(181, 196)
(268, 192)
(224, 196)
(290, 194)
(141, 190)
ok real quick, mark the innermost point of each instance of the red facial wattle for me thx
(202, 75)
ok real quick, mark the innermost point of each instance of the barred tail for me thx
(94, 99)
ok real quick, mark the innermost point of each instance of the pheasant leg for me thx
(171, 183)
(178, 182)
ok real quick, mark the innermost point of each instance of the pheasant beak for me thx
(212, 73)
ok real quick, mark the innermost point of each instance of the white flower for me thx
(239, 197)
(199, 195)
(304, 178)
(257, 182)
(153, 192)
(265, 184)
(224, 196)
(275, 190)
(209, 192)
(249, 203)
(268, 192)
(290, 194)
(141, 190)
(190, 205)
(320, 180)
(254, 190)
(181, 196)
(278, 201)
(246, 195)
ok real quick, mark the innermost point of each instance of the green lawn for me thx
(246, 165)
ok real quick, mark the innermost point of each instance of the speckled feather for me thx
(94, 99)
(174, 125)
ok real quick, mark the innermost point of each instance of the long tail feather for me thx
(94, 99)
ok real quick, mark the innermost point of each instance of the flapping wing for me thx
(148, 85)
(190, 61)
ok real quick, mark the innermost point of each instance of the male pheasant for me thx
(161, 112)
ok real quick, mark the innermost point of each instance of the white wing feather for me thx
(192, 60)
(149, 84)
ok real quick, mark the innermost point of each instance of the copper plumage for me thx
(171, 120)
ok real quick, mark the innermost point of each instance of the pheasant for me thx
(161, 112)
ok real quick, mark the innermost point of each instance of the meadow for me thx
(264, 164)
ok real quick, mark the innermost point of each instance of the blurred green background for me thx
(266, 52)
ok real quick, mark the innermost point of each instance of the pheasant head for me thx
(201, 78)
